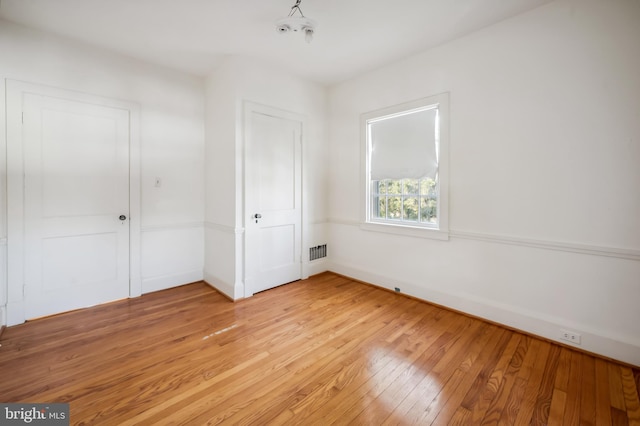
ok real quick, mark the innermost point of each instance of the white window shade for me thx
(404, 146)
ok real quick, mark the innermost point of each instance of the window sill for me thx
(409, 231)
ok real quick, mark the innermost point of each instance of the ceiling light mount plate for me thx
(297, 24)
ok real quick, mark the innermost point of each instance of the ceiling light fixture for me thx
(296, 24)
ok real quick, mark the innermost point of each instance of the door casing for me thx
(248, 109)
(15, 188)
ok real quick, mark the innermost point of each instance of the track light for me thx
(293, 23)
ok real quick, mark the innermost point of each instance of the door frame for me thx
(15, 90)
(250, 107)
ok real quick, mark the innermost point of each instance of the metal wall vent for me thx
(318, 252)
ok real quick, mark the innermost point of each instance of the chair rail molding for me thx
(589, 249)
(595, 250)
(224, 228)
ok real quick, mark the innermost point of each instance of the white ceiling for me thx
(353, 36)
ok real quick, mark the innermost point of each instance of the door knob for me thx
(257, 216)
(122, 217)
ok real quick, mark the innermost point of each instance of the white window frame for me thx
(441, 231)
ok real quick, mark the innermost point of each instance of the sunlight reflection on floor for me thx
(398, 391)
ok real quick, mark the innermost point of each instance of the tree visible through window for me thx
(413, 200)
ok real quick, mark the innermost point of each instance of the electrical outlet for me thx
(571, 336)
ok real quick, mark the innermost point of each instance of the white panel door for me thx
(76, 204)
(273, 207)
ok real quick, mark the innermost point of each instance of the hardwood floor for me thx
(323, 351)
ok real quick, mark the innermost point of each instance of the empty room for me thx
(317, 212)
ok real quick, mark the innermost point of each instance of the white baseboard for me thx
(163, 282)
(15, 313)
(3, 316)
(220, 285)
(317, 266)
(622, 348)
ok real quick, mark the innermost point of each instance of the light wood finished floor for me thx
(323, 351)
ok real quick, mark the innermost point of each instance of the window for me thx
(406, 168)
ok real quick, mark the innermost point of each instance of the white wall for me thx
(172, 142)
(222, 233)
(238, 80)
(544, 175)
